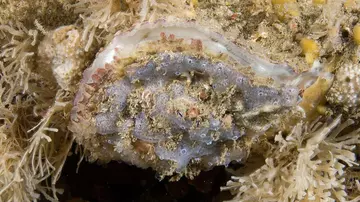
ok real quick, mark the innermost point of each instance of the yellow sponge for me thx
(319, 2)
(310, 50)
(285, 8)
(356, 34)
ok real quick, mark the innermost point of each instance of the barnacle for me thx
(178, 98)
(345, 89)
(61, 54)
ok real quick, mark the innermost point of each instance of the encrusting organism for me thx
(344, 92)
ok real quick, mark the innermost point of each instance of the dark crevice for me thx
(117, 181)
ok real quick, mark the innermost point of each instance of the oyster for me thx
(180, 99)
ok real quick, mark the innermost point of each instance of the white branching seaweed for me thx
(105, 15)
(29, 158)
(27, 167)
(307, 165)
(14, 55)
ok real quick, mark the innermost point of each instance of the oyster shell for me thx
(180, 99)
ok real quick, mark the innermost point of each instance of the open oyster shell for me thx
(180, 99)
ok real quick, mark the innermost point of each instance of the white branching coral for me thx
(307, 165)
